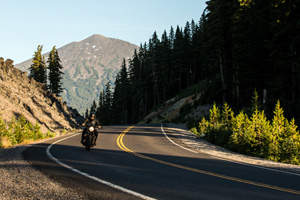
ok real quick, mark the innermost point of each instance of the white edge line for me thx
(174, 142)
(92, 177)
(257, 166)
(237, 162)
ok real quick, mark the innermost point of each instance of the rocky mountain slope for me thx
(20, 95)
(88, 66)
(185, 110)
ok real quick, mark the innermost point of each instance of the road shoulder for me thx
(20, 180)
(185, 137)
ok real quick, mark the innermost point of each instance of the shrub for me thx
(217, 128)
(278, 140)
(195, 131)
(50, 134)
(20, 131)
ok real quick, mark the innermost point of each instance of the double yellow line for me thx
(124, 148)
(120, 140)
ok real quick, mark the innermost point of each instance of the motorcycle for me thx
(89, 136)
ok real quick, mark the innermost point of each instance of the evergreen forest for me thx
(236, 47)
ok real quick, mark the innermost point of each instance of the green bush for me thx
(278, 140)
(20, 131)
(217, 128)
(50, 134)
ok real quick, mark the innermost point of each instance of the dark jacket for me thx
(89, 120)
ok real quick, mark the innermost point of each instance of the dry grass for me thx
(5, 142)
(28, 141)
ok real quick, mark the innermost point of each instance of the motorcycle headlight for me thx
(91, 129)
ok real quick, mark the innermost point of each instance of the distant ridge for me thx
(88, 65)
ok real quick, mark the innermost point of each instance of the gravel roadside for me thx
(19, 180)
(188, 139)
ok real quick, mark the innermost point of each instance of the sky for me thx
(26, 24)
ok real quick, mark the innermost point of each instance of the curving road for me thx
(143, 162)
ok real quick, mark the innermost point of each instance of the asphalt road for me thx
(141, 162)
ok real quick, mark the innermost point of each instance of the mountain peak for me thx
(88, 66)
(96, 37)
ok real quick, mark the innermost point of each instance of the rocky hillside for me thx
(185, 110)
(88, 66)
(20, 95)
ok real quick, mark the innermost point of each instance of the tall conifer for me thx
(55, 72)
(38, 67)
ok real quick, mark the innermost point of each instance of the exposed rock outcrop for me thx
(172, 109)
(20, 95)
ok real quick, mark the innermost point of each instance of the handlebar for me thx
(84, 126)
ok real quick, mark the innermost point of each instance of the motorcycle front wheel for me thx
(89, 141)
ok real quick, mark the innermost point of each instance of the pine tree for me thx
(200, 50)
(38, 67)
(285, 49)
(155, 69)
(227, 114)
(146, 83)
(107, 105)
(278, 121)
(171, 37)
(86, 113)
(240, 130)
(178, 53)
(55, 72)
(122, 97)
(94, 107)
(278, 129)
(219, 26)
(188, 70)
(241, 53)
(214, 116)
(256, 104)
(290, 145)
(261, 128)
(136, 87)
(99, 111)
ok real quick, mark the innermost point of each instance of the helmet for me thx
(92, 114)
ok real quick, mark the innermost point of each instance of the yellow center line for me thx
(124, 148)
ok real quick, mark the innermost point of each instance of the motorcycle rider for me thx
(90, 120)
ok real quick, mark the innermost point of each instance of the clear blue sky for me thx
(25, 24)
